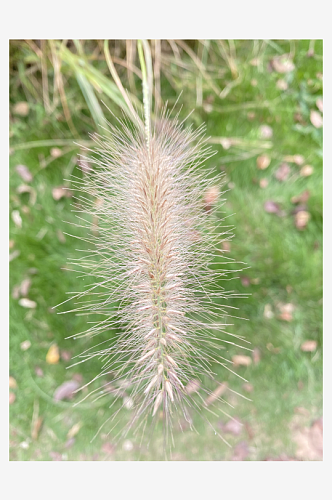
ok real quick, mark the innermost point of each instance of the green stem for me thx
(146, 97)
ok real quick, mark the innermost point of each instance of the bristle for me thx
(154, 282)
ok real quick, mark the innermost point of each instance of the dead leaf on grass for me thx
(66, 390)
(53, 356)
(24, 173)
(12, 398)
(268, 313)
(226, 245)
(12, 383)
(263, 162)
(283, 63)
(319, 104)
(241, 360)
(297, 159)
(316, 119)
(309, 441)
(60, 192)
(56, 152)
(247, 387)
(301, 198)
(282, 84)
(265, 132)
(271, 207)
(219, 391)
(306, 171)
(25, 286)
(263, 183)
(27, 303)
(21, 108)
(241, 451)
(309, 346)
(233, 427)
(283, 172)
(74, 430)
(17, 219)
(301, 219)
(256, 355)
(36, 427)
(25, 345)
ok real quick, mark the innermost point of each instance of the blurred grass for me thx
(62, 82)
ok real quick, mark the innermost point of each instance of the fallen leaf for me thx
(241, 451)
(306, 171)
(256, 355)
(39, 372)
(69, 443)
(108, 448)
(285, 316)
(12, 398)
(25, 345)
(25, 286)
(29, 304)
(52, 356)
(24, 173)
(21, 108)
(263, 183)
(309, 346)
(316, 119)
(283, 172)
(265, 132)
(268, 313)
(60, 192)
(12, 383)
(270, 347)
(65, 355)
(17, 218)
(233, 427)
(301, 219)
(74, 430)
(11, 244)
(301, 198)
(282, 64)
(245, 281)
(298, 159)
(247, 387)
(36, 427)
(241, 360)
(282, 85)
(56, 152)
(66, 390)
(219, 391)
(263, 162)
(14, 254)
(61, 236)
(319, 104)
(309, 441)
(271, 207)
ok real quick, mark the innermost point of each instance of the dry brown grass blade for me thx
(60, 87)
(118, 82)
(130, 56)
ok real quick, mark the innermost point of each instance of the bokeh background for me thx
(262, 103)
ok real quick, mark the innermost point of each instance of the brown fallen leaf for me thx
(263, 162)
(25, 286)
(309, 441)
(309, 346)
(282, 84)
(301, 198)
(60, 192)
(306, 171)
(263, 183)
(265, 132)
(247, 387)
(219, 391)
(12, 383)
(241, 451)
(241, 360)
(285, 316)
(268, 313)
(319, 104)
(74, 430)
(25, 345)
(301, 219)
(282, 64)
(56, 152)
(12, 398)
(316, 119)
(297, 159)
(233, 427)
(66, 390)
(256, 355)
(21, 108)
(271, 207)
(53, 356)
(24, 173)
(17, 219)
(27, 303)
(36, 427)
(283, 172)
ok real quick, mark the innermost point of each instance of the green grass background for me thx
(285, 263)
